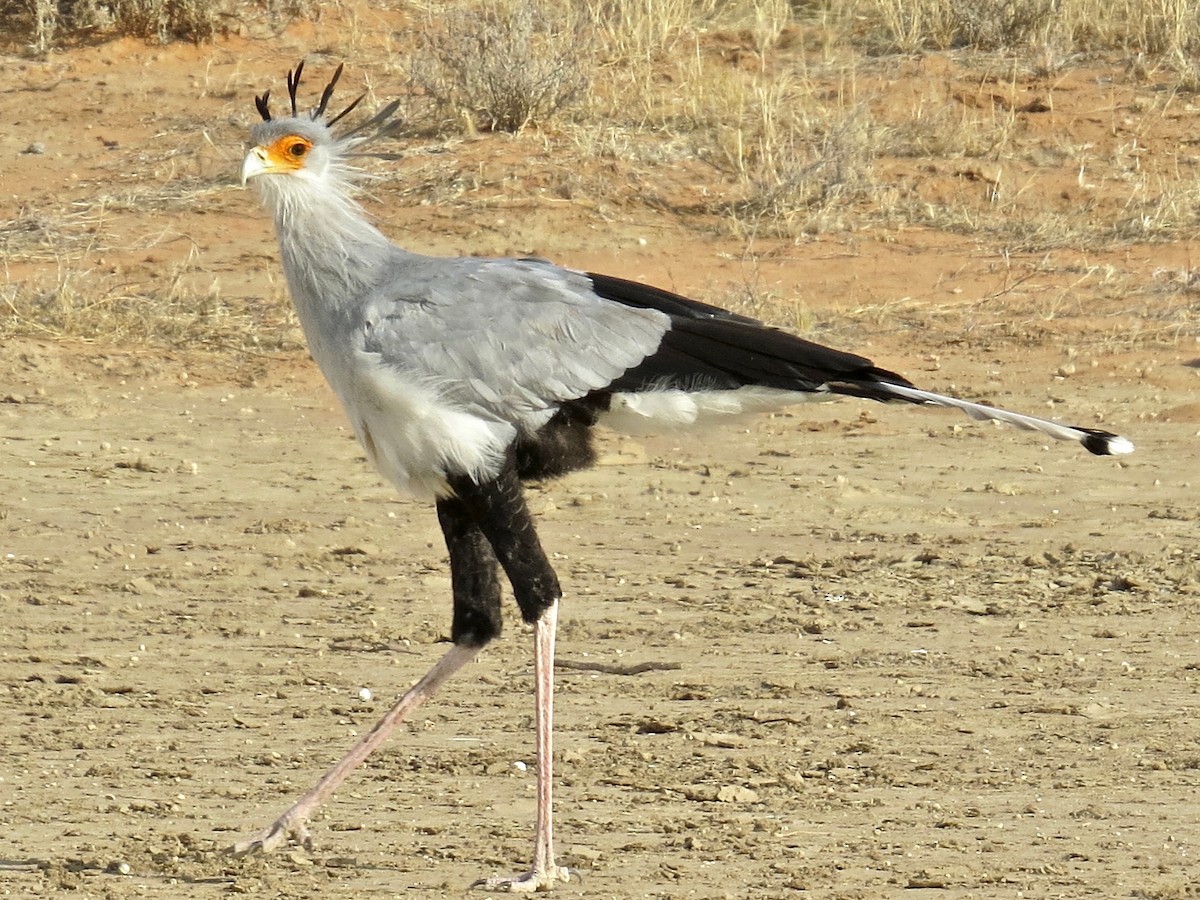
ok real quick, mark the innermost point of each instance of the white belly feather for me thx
(649, 411)
(413, 436)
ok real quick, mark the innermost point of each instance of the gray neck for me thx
(331, 253)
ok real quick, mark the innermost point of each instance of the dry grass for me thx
(181, 309)
(37, 26)
(786, 112)
(634, 32)
(39, 236)
(799, 175)
(1162, 28)
(57, 282)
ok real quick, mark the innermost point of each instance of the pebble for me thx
(732, 793)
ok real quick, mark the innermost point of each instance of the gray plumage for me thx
(439, 363)
(461, 377)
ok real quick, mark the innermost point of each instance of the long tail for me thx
(711, 349)
(1102, 443)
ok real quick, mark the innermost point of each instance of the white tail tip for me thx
(1119, 446)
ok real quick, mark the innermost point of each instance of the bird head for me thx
(287, 147)
(306, 146)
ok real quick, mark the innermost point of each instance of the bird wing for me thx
(713, 349)
(509, 341)
(504, 339)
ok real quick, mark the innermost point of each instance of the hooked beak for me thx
(256, 163)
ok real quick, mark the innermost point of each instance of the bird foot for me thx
(536, 880)
(284, 829)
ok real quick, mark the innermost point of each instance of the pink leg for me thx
(293, 824)
(544, 874)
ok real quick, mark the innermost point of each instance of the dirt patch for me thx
(976, 674)
(915, 655)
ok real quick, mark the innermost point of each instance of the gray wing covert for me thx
(506, 339)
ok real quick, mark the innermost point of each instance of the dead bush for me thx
(503, 67)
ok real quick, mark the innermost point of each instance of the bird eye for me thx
(298, 149)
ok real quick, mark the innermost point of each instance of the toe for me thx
(528, 883)
(275, 837)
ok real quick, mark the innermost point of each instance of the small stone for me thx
(735, 793)
(587, 854)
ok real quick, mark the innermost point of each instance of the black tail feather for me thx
(711, 349)
(716, 349)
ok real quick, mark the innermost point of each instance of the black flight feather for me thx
(634, 293)
(713, 349)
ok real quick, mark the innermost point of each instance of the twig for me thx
(608, 669)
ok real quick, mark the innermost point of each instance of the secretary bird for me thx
(464, 377)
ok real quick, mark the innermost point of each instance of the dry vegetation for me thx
(501, 68)
(786, 113)
(41, 25)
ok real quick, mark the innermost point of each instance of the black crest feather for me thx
(328, 92)
(349, 109)
(293, 84)
(379, 122)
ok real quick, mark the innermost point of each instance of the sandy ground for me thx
(891, 652)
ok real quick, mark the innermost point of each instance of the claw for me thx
(273, 837)
(528, 883)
